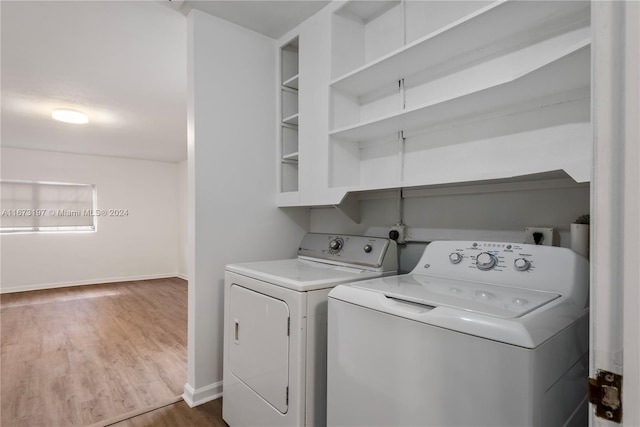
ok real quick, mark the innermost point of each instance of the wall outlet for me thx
(539, 236)
(398, 233)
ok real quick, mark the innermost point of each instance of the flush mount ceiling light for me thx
(69, 116)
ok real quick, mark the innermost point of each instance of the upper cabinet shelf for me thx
(499, 27)
(291, 120)
(288, 127)
(412, 93)
(289, 62)
(542, 74)
(291, 83)
(432, 93)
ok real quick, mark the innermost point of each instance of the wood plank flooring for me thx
(81, 355)
(179, 415)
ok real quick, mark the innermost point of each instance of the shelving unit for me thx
(289, 114)
(364, 30)
(493, 91)
(494, 29)
(502, 91)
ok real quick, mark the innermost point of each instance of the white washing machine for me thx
(275, 327)
(478, 334)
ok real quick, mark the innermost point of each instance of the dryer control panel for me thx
(361, 251)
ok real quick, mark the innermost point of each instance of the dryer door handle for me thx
(237, 331)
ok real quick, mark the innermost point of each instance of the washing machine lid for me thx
(488, 299)
(302, 275)
(520, 317)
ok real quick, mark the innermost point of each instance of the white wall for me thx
(493, 216)
(141, 245)
(183, 204)
(232, 181)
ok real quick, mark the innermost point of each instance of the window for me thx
(46, 206)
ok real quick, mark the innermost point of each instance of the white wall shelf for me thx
(289, 114)
(522, 142)
(432, 94)
(364, 30)
(290, 157)
(291, 120)
(500, 91)
(289, 98)
(568, 74)
(500, 26)
(291, 83)
(289, 64)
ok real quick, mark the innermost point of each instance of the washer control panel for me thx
(347, 249)
(548, 268)
(491, 256)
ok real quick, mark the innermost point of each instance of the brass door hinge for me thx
(605, 392)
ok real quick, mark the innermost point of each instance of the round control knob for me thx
(335, 245)
(522, 264)
(368, 248)
(455, 257)
(486, 261)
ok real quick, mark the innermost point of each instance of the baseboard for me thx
(182, 276)
(202, 395)
(8, 289)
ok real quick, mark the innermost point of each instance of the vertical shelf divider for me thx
(288, 122)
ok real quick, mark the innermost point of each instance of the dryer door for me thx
(259, 344)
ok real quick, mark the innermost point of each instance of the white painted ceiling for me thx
(272, 18)
(121, 62)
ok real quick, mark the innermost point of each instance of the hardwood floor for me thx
(179, 415)
(82, 355)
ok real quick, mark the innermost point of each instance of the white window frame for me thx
(39, 210)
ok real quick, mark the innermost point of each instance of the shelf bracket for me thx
(350, 207)
(401, 156)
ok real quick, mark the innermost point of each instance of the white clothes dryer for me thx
(478, 334)
(275, 326)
